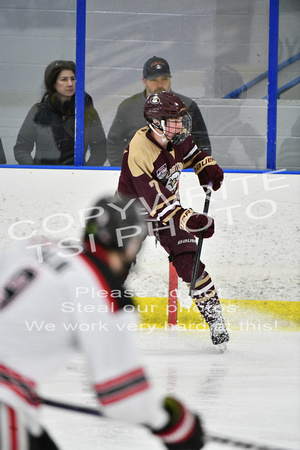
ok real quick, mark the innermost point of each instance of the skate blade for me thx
(221, 348)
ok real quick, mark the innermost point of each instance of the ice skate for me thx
(219, 334)
(211, 310)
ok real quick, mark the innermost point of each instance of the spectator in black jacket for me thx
(50, 125)
(130, 117)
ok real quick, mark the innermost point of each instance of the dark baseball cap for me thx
(156, 67)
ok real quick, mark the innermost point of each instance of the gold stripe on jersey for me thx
(189, 158)
(171, 215)
(165, 203)
(207, 161)
(142, 154)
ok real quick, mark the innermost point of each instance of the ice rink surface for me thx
(250, 393)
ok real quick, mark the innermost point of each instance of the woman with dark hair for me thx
(50, 125)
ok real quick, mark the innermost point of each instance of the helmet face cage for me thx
(163, 106)
(186, 130)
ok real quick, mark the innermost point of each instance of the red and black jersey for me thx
(151, 172)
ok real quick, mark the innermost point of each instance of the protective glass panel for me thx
(33, 34)
(288, 104)
(217, 52)
(215, 49)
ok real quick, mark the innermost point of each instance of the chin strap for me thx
(154, 129)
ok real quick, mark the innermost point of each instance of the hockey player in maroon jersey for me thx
(41, 318)
(152, 164)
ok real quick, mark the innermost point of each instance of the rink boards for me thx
(252, 257)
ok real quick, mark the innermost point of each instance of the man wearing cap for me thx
(130, 117)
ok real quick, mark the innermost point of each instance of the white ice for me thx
(250, 393)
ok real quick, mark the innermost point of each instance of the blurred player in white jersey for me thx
(40, 321)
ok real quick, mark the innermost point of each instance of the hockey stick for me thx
(240, 444)
(209, 438)
(200, 241)
(68, 407)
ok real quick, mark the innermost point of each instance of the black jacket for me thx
(50, 127)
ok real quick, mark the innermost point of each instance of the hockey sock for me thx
(206, 298)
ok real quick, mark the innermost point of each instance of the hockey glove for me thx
(183, 431)
(208, 171)
(197, 224)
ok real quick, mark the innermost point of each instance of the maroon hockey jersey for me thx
(151, 172)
